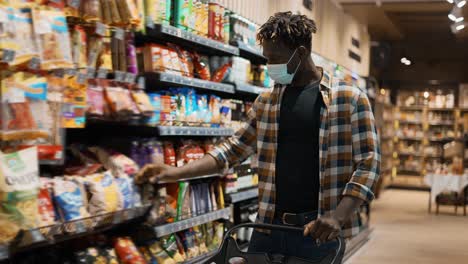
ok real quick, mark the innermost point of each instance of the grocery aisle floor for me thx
(404, 232)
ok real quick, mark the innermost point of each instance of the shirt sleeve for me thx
(366, 151)
(242, 144)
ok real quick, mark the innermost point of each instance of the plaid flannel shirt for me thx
(349, 150)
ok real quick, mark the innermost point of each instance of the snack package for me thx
(95, 46)
(157, 12)
(146, 253)
(218, 233)
(181, 104)
(180, 247)
(74, 100)
(105, 195)
(168, 110)
(200, 238)
(169, 154)
(95, 99)
(214, 203)
(225, 111)
(126, 190)
(46, 207)
(158, 213)
(25, 44)
(19, 186)
(119, 164)
(184, 17)
(90, 10)
(221, 74)
(190, 243)
(170, 246)
(161, 256)
(183, 202)
(131, 53)
(202, 67)
(111, 256)
(127, 251)
(104, 60)
(23, 104)
(70, 199)
(143, 102)
(203, 111)
(128, 11)
(119, 100)
(210, 236)
(92, 255)
(155, 100)
(158, 153)
(53, 39)
(185, 60)
(215, 109)
(191, 109)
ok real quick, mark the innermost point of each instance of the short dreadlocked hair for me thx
(293, 30)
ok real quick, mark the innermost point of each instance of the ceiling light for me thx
(457, 27)
(460, 3)
(450, 1)
(455, 14)
(408, 63)
(403, 60)
(426, 94)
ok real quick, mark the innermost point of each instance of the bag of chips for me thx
(70, 198)
(126, 191)
(170, 246)
(127, 251)
(105, 195)
(160, 254)
(19, 186)
(46, 207)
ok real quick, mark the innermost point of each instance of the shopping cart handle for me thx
(266, 226)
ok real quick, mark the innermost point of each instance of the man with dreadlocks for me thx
(318, 152)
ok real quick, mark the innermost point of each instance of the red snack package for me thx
(201, 66)
(169, 154)
(127, 251)
(46, 208)
(95, 106)
(221, 73)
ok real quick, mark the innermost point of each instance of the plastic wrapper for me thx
(105, 195)
(158, 11)
(201, 239)
(158, 153)
(105, 56)
(24, 45)
(185, 60)
(92, 255)
(168, 110)
(19, 186)
(218, 233)
(162, 257)
(169, 154)
(184, 17)
(215, 109)
(53, 39)
(91, 10)
(161, 58)
(183, 201)
(225, 111)
(119, 164)
(95, 46)
(202, 67)
(74, 100)
(222, 73)
(158, 213)
(146, 253)
(155, 100)
(70, 199)
(128, 11)
(142, 101)
(125, 186)
(209, 229)
(191, 244)
(203, 111)
(170, 246)
(131, 53)
(95, 99)
(119, 100)
(127, 251)
(23, 101)
(46, 207)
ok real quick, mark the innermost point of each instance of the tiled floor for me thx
(404, 232)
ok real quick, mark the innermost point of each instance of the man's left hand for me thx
(323, 229)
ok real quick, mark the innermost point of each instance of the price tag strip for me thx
(8, 55)
(34, 63)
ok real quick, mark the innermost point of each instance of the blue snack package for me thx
(126, 191)
(70, 199)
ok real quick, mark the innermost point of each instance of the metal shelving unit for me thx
(178, 226)
(251, 53)
(153, 80)
(194, 131)
(200, 259)
(166, 33)
(243, 195)
(248, 88)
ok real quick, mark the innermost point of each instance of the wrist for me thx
(340, 219)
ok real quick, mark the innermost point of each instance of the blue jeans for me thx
(290, 244)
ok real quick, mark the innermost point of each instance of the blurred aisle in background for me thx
(404, 232)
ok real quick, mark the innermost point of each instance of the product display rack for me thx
(175, 227)
(244, 195)
(251, 53)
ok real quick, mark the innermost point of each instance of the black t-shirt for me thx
(297, 161)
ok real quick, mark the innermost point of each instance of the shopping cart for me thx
(229, 252)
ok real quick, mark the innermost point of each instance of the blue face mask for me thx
(279, 72)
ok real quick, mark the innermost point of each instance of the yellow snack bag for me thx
(105, 195)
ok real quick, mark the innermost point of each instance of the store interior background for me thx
(407, 55)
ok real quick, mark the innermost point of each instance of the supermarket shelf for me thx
(52, 162)
(411, 138)
(201, 259)
(191, 41)
(443, 140)
(442, 109)
(194, 131)
(192, 179)
(410, 154)
(248, 88)
(155, 79)
(411, 108)
(167, 229)
(409, 172)
(243, 195)
(410, 122)
(251, 53)
(386, 137)
(451, 123)
(60, 232)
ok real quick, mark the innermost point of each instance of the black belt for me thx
(295, 219)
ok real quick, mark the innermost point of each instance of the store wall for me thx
(335, 28)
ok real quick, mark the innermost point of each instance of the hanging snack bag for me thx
(128, 11)
(170, 246)
(46, 207)
(53, 39)
(127, 251)
(70, 198)
(143, 102)
(19, 186)
(8, 45)
(95, 46)
(24, 102)
(90, 10)
(105, 195)
(26, 46)
(95, 99)
(74, 100)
